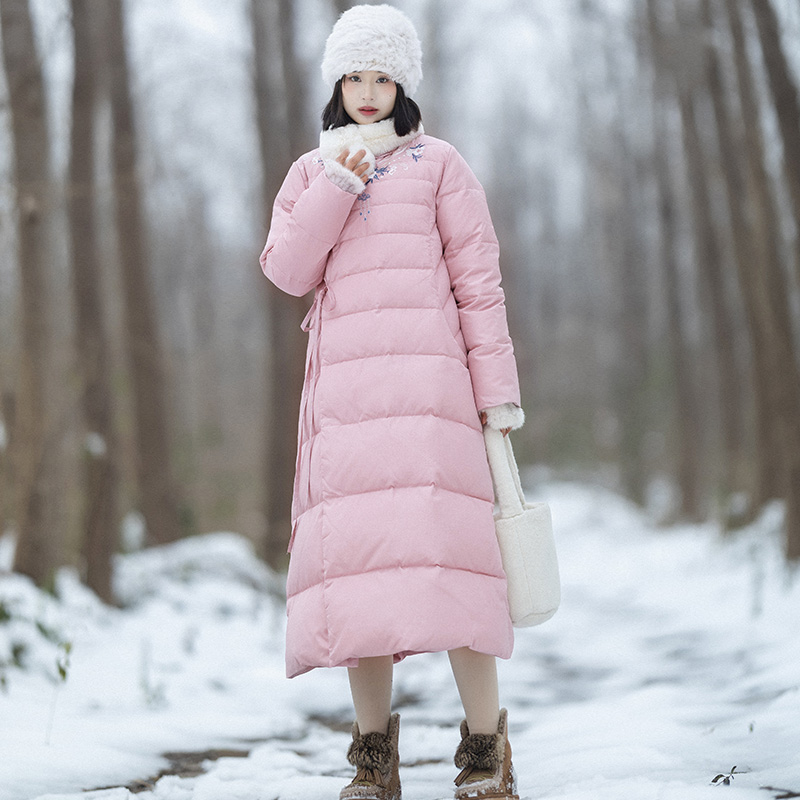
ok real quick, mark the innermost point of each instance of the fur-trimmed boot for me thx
(375, 757)
(485, 761)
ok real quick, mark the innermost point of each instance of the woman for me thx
(393, 550)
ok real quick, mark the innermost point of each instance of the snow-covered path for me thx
(674, 657)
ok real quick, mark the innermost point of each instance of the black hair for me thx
(406, 113)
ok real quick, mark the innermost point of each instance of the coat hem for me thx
(396, 658)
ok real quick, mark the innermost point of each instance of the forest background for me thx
(642, 162)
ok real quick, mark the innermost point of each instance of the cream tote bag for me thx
(525, 535)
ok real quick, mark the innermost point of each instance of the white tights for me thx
(476, 679)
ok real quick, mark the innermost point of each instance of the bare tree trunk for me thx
(689, 467)
(37, 548)
(687, 423)
(285, 353)
(766, 226)
(785, 101)
(157, 491)
(773, 297)
(509, 196)
(101, 478)
(630, 285)
(6, 473)
(759, 372)
(295, 82)
(434, 45)
(709, 262)
(205, 386)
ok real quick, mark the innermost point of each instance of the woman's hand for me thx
(504, 431)
(354, 164)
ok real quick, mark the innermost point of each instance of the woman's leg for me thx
(476, 678)
(371, 687)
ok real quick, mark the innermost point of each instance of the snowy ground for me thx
(674, 657)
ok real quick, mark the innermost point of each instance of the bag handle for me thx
(505, 473)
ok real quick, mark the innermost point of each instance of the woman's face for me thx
(368, 96)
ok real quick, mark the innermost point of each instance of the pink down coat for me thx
(393, 546)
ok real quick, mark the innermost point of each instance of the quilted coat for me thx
(393, 548)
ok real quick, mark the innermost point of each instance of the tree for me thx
(708, 254)
(688, 468)
(158, 495)
(772, 296)
(277, 124)
(6, 474)
(785, 101)
(301, 136)
(624, 234)
(101, 478)
(615, 189)
(761, 373)
(37, 553)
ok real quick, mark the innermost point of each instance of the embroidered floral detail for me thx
(318, 160)
(365, 209)
(416, 152)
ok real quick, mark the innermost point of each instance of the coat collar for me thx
(377, 138)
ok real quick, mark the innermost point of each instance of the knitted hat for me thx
(378, 38)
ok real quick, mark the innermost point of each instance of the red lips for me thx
(367, 110)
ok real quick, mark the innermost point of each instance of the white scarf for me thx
(375, 138)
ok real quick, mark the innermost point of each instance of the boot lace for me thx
(368, 776)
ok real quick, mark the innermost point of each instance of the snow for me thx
(673, 658)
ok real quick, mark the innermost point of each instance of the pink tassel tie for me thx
(312, 324)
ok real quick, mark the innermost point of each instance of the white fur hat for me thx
(379, 38)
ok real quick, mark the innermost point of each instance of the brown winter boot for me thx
(375, 757)
(485, 761)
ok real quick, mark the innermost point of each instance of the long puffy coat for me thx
(393, 547)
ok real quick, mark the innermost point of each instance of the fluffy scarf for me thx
(377, 138)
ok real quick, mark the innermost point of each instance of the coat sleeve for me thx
(307, 219)
(471, 253)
